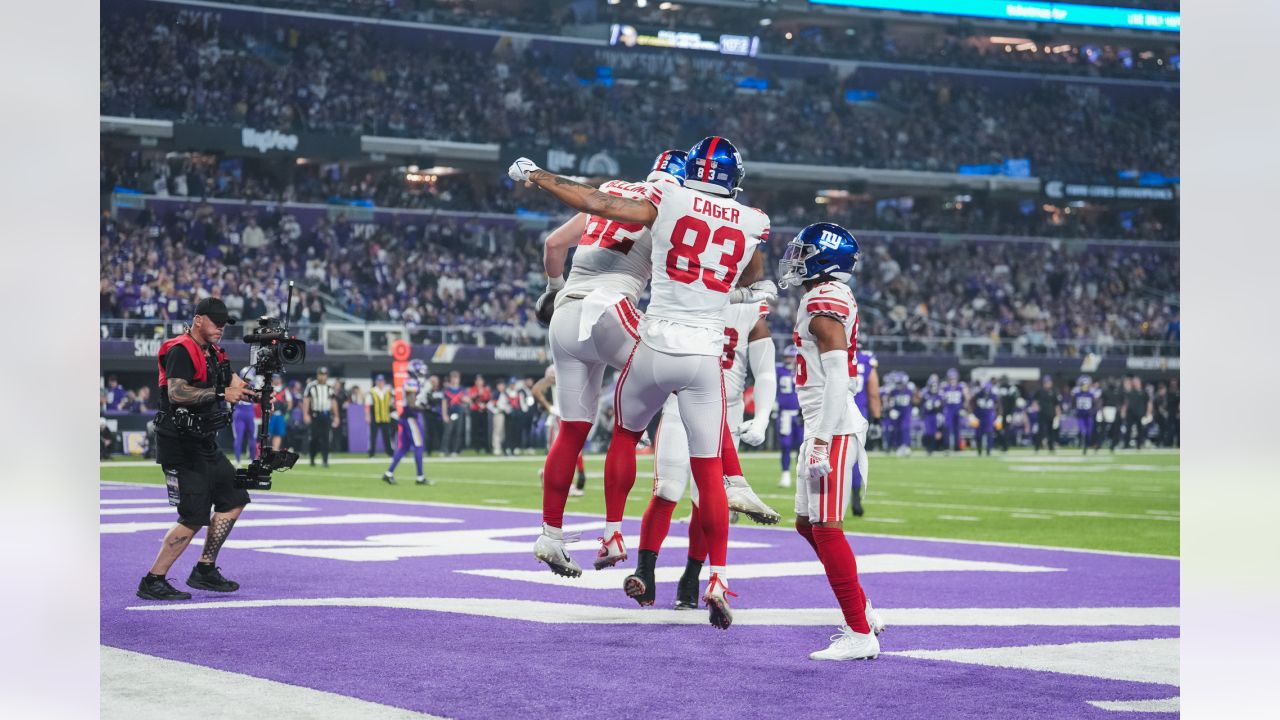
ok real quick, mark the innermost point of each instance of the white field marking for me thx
(1162, 512)
(162, 500)
(1031, 516)
(1147, 661)
(169, 510)
(1164, 705)
(131, 683)
(1056, 459)
(352, 519)
(611, 579)
(497, 501)
(1056, 513)
(892, 521)
(492, 541)
(929, 492)
(769, 528)
(965, 518)
(1006, 489)
(427, 462)
(571, 613)
(1091, 469)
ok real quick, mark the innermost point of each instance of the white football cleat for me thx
(718, 603)
(874, 620)
(575, 492)
(849, 645)
(612, 552)
(549, 548)
(744, 500)
(785, 480)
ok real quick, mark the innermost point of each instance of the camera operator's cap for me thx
(215, 310)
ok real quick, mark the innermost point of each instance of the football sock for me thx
(842, 573)
(557, 472)
(619, 471)
(697, 538)
(656, 523)
(708, 473)
(729, 455)
(806, 532)
(610, 528)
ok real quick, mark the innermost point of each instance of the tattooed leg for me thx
(219, 528)
(175, 541)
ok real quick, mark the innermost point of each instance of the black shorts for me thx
(206, 479)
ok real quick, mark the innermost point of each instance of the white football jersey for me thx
(612, 255)
(701, 244)
(739, 319)
(834, 300)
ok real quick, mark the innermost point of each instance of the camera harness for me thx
(181, 419)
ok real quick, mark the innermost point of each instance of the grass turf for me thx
(1126, 502)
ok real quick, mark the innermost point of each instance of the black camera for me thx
(275, 348)
(272, 349)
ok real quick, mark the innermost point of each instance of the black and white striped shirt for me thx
(320, 395)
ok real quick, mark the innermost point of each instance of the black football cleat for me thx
(388, 478)
(157, 587)
(640, 585)
(856, 503)
(211, 579)
(687, 588)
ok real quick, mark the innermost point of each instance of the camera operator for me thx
(196, 383)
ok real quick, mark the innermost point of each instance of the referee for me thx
(320, 411)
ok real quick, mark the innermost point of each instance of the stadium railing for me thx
(376, 338)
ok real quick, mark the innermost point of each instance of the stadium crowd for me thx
(343, 81)
(855, 38)
(426, 271)
(204, 176)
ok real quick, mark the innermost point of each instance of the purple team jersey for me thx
(866, 362)
(1084, 402)
(787, 397)
(953, 395)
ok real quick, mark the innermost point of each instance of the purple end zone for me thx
(477, 666)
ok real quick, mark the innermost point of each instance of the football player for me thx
(552, 408)
(983, 406)
(866, 396)
(955, 396)
(932, 415)
(821, 260)
(902, 399)
(593, 323)
(748, 342)
(705, 255)
(790, 429)
(1084, 399)
(411, 426)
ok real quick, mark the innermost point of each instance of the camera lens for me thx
(292, 352)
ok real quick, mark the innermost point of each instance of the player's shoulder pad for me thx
(830, 298)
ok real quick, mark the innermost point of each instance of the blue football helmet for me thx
(1084, 382)
(822, 251)
(417, 368)
(714, 166)
(670, 162)
(933, 383)
(953, 375)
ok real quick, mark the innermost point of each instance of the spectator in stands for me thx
(114, 397)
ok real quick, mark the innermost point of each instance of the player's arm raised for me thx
(582, 197)
(833, 349)
(556, 247)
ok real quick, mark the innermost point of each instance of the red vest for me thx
(197, 357)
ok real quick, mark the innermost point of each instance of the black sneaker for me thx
(211, 580)
(155, 587)
(641, 586)
(388, 478)
(687, 588)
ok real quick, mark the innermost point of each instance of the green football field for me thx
(1127, 501)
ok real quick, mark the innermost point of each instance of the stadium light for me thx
(642, 3)
(766, 22)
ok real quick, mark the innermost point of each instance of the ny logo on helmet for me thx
(829, 240)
